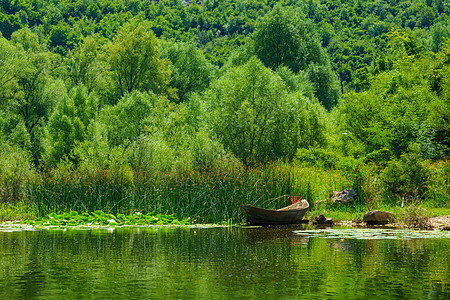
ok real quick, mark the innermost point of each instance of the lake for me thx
(223, 263)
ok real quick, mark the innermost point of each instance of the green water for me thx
(223, 263)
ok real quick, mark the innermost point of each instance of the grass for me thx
(437, 211)
(338, 215)
(19, 210)
(213, 195)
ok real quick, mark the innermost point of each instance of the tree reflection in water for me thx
(217, 263)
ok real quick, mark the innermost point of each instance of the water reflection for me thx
(217, 263)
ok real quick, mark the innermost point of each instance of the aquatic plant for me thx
(99, 217)
(209, 195)
(215, 193)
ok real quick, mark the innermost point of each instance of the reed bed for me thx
(214, 194)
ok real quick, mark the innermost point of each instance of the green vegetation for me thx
(196, 108)
(98, 217)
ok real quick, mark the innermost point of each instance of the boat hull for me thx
(292, 214)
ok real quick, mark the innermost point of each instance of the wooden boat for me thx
(291, 214)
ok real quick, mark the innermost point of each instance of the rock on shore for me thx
(441, 222)
(378, 217)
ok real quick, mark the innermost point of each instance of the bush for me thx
(316, 157)
(415, 217)
(405, 177)
(16, 172)
(151, 154)
(439, 183)
(208, 153)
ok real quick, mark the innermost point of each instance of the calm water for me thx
(223, 263)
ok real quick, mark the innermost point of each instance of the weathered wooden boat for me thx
(291, 214)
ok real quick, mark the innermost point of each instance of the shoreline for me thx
(432, 223)
(441, 223)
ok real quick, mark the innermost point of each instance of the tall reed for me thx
(212, 195)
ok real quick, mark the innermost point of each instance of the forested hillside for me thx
(175, 87)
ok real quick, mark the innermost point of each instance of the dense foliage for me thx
(169, 88)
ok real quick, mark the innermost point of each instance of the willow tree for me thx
(191, 71)
(284, 37)
(135, 59)
(253, 113)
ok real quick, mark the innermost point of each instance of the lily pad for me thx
(371, 234)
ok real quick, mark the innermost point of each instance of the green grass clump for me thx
(17, 210)
(99, 217)
(214, 195)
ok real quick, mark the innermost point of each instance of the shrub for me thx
(415, 217)
(16, 172)
(316, 157)
(439, 183)
(152, 154)
(405, 177)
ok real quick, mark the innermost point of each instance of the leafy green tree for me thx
(125, 121)
(29, 100)
(11, 59)
(9, 24)
(68, 125)
(326, 87)
(135, 59)
(402, 45)
(440, 31)
(27, 40)
(395, 113)
(242, 109)
(251, 111)
(277, 39)
(84, 65)
(26, 95)
(439, 82)
(283, 37)
(191, 72)
(60, 35)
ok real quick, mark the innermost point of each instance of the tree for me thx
(29, 98)
(277, 40)
(397, 113)
(10, 66)
(125, 121)
(326, 87)
(27, 93)
(83, 64)
(135, 59)
(251, 111)
(9, 24)
(283, 37)
(68, 124)
(191, 72)
(60, 35)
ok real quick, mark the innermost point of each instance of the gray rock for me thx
(378, 217)
(321, 220)
(347, 196)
